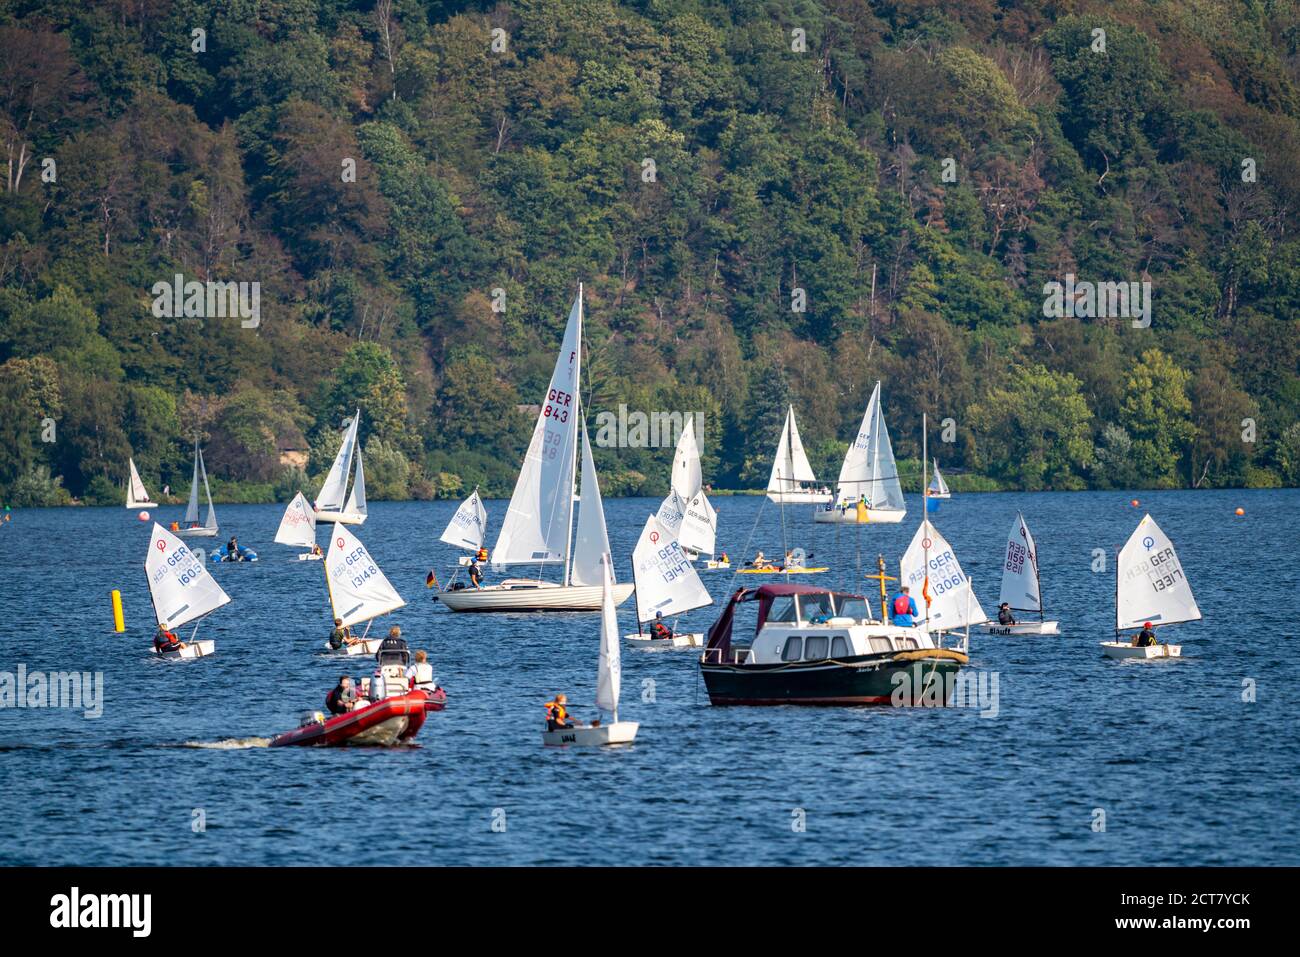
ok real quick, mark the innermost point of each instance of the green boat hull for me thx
(867, 679)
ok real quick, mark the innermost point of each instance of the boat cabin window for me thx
(839, 647)
(852, 606)
(783, 612)
(793, 650)
(904, 642)
(816, 607)
(881, 644)
(816, 647)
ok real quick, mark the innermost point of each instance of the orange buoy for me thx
(1134, 503)
(143, 516)
(1241, 511)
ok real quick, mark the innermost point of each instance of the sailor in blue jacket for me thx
(903, 608)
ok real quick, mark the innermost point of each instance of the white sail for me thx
(952, 602)
(609, 673)
(937, 485)
(687, 476)
(869, 468)
(666, 581)
(1151, 585)
(591, 546)
(537, 524)
(791, 466)
(298, 526)
(697, 531)
(672, 511)
(332, 492)
(468, 527)
(192, 510)
(135, 493)
(358, 589)
(357, 500)
(1020, 570)
(211, 520)
(179, 585)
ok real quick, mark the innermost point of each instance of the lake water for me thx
(1184, 770)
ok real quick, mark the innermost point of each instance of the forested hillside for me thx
(768, 202)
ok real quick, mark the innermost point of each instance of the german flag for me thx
(431, 579)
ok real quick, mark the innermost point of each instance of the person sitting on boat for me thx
(1004, 614)
(420, 673)
(476, 574)
(165, 641)
(481, 555)
(557, 715)
(176, 526)
(316, 550)
(904, 609)
(343, 698)
(724, 559)
(232, 550)
(659, 630)
(341, 635)
(1145, 638)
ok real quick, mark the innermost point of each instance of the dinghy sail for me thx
(190, 526)
(869, 475)
(298, 527)
(1021, 586)
(686, 512)
(358, 590)
(792, 481)
(1150, 586)
(666, 583)
(468, 527)
(136, 496)
(181, 589)
(333, 504)
(938, 487)
(935, 579)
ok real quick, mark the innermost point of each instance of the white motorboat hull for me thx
(940, 495)
(343, 518)
(1121, 650)
(1024, 628)
(525, 595)
(620, 732)
(849, 516)
(800, 498)
(643, 640)
(192, 649)
(195, 533)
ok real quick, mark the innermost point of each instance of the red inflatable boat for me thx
(385, 722)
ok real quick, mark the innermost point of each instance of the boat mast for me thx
(573, 459)
(925, 517)
(1038, 580)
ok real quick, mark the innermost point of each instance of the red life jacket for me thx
(902, 605)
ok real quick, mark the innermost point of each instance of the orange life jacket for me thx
(556, 712)
(660, 630)
(902, 605)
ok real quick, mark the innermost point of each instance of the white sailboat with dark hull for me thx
(334, 503)
(538, 528)
(792, 481)
(1021, 588)
(667, 585)
(868, 489)
(181, 591)
(136, 495)
(358, 590)
(190, 527)
(1150, 588)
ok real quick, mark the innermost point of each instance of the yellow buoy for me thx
(119, 623)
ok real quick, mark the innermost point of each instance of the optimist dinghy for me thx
(181, 590)
(1150, 586)
(1021, 588)
(298, 528)
(608, 681)
(136, 496)
(666, 584)
(357, 588)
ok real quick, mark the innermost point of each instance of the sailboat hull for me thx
(1122, 650)
(1024, 628)
(695, 640)
(141, 504)
(343, 518)
(799, 498)
(192, 649)
(620, 732)
(520, 595)
(195, 532)
(849, 516)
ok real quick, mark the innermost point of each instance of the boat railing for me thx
(713, 656)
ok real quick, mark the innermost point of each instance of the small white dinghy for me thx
(667, 584)
(1021, 586)
(190, 527)
(938, 487)
(608, 681)
(298, 529)
(357, 585)
(136, 496)
(1150, 586)
(181, 590)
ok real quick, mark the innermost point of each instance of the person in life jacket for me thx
(420, 674)
(557, 715)
(1146, 637)
(176, 526)
(164, 641)
(903, 608)
(659, 629)
(481, 555)
(1004, 614)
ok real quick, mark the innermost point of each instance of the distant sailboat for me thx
(938, 487)
(190, 527)
(686, 512)
(1021, 588)
(538, 528)
(330, 504)
(868, 488)
(136, 496)
(791, 472)
(666, 583)
(358, 590)
(1150, 586)
(298, 529)
(180, 589)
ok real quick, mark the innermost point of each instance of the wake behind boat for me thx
(1151, 591)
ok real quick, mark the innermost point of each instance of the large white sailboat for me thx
(792, 481)
(868, 488)
(1149, 587)
(298, 528)
(358, 590)
(1021, 588)
(190, 527)
(666, 584)
(136, 496)
(181, 590)
(333, 502)
(538, 528)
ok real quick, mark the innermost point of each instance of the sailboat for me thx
(1021, 588)
(791, 472)
(667, 584)
(330, 504)
(1149, 587)
(938, 487)
(136, 496)
(468, 527)
(935, 579)
(181, 590)
(358, 590)
(686, 512)
(298, 528)
(538, 526)
(190, 527)
(609, 678)
(868, 489)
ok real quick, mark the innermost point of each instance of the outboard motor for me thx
(390, 676)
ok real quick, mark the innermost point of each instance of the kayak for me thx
(383, 723)
(775, 570)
